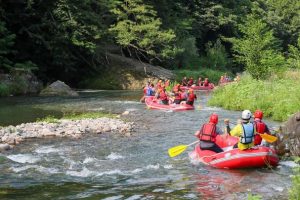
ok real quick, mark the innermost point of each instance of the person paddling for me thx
(191, 97)
(260, 127)
(208, 133)
(245, 131)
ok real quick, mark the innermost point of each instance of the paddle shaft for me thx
(192, 143)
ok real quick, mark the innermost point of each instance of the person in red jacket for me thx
(191, 97)
(162, 96)
(206, 82)
(208, 133)
(177, 96)
(260, 127)
(191, 82)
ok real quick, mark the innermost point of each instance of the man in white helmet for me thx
(245, 131)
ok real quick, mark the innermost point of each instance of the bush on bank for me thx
(278, 97)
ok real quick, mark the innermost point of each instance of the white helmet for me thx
(246, 114)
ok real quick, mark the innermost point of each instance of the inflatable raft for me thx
(197, 87)
(153, 104)
(258, 156)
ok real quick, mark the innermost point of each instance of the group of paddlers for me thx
(249, 132)
(191, 82)
(175, 96)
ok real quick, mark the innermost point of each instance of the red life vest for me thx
(206, 83)
(177, 95)
(163, 96)
(145, 90)
(191, 97)
(260, 128)
(208, 132)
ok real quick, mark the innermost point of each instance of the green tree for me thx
(282, 16)
(294, 55)
(257, 49)
(139, 29)
(6, 43)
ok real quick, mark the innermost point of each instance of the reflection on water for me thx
(109, 166)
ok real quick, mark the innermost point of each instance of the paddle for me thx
(265, 136)
(175, 151)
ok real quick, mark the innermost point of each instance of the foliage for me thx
(254, 197)
(77, 116)
(294, 192)
(6, 42)
(294, 55)
(282, 16)
(139, 28)
(216, 55)
(277, 97)
(89, 115)
(4, 89)
(48, 119)
(19, 86)
(257, 49)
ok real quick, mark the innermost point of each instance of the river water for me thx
(110, 166)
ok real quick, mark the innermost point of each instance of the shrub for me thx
(278, 98)
(4, 89)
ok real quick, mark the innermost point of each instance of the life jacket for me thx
(191, 97)
(260, 128)
(145, 90)
(206, 83)
(150, 91)
(163, 96)
(177, 95)
(248, 133)
(208, 132)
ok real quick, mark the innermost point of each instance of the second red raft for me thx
(154, 104)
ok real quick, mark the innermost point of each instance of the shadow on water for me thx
(110, 166)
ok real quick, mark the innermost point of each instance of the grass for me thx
(78, 116)
(294, 191)
(279, 98)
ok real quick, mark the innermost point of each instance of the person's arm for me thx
(197, 133)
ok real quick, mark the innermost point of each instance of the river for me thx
(111, 167)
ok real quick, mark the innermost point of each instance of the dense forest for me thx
(69, 39)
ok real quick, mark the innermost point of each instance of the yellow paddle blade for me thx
(175, 151)
(268, 138)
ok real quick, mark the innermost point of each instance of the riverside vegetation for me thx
(278, 97)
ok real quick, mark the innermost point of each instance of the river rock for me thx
(58, 88)
(4, 147)
(63, 128)
(289, 137)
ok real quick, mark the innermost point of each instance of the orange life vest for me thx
(208, 132)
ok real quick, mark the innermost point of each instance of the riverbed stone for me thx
(58, 88)
(289, 137)
(4, 147)
(63, 128)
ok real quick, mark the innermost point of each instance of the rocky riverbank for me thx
(13, 135)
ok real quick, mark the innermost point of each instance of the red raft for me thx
(197, 87)
(258, 156)
(153, 104)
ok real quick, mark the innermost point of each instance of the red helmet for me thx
(214, 118)
(258, 114)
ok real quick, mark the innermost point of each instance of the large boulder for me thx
(58, 88)
(289, 137)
